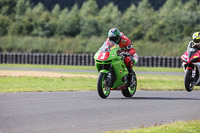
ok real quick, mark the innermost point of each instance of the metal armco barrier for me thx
(81, 59)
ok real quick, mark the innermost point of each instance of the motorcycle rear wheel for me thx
(102, 88)
(188, 80)
(130, 91)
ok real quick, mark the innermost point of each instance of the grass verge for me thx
(42, 84)
(38, 84)
(176, 127)
(155, 69)
(49, 66)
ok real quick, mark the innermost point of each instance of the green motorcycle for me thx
(113, 73)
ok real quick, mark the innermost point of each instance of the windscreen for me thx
(108, 46)
(191, 52)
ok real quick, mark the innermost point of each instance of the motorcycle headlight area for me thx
(184, 58)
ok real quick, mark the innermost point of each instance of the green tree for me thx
(4, 24)
(38, 10)
(28, 20)
(88, 19)
(36, 13)
(69, 22)
(162, 28)
(62, 21)
(18, 28)
(109, 17)
(56, 11)
(89, 8)
(192, 5)
(130, 20)
(168, 6)
(73, 23)
(22, 25)
(7, 7)
(45, 26)
(44, 23)
(146, 19)
(21, 7)
(175, 21)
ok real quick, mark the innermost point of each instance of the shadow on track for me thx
(154, 98)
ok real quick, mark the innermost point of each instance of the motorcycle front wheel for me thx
(188, 80)
(130, 91)
(102, 88)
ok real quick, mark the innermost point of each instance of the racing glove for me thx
(125, 54)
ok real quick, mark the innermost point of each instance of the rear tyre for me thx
(102, 88)
(130, 90)
(188, 80)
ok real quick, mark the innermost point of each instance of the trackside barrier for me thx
(81, 59)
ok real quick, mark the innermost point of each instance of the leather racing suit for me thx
(126, 46)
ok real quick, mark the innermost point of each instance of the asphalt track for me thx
(86, 112)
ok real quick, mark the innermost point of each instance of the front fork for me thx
(109, 77)
(193, 73)
(193, 68)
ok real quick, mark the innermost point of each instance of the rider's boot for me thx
(129, 64)
(131, 80)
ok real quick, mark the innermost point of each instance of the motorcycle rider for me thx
(195, 42)
(126, 48)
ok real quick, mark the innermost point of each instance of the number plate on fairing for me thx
(103, 55)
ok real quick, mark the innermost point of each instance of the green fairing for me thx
(120, 71)
(104, 71)
(117, 63)
(113, 73)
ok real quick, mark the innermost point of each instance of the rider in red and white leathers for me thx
(125, 47)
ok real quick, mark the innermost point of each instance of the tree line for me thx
(26, 27)
(122, 4)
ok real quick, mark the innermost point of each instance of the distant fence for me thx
(81, 59)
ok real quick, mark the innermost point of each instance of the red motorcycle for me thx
(191, 66)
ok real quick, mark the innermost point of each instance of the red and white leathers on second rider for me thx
(126, 46)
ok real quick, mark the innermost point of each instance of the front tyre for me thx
(130, 90)
(188, 80)
(102, 88)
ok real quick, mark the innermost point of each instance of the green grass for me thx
(35, 84)
(145, 82)
(158, 69)
(160, 82)
(49, 66)
(176, 127)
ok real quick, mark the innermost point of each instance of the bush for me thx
(81, 45)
